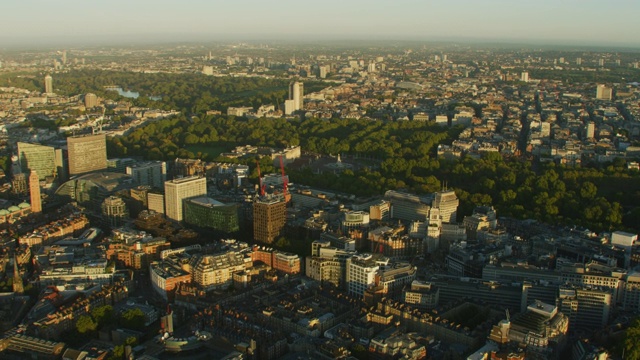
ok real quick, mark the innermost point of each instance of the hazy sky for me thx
(602, 22)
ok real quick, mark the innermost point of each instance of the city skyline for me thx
(545, 22)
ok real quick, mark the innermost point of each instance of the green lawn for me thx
(212, 150)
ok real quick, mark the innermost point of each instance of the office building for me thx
(48, 84)
(596, 275)
(34, 193)
(166, 276)
(447, 202)
(114, 211)
(329, 270)
(90, 190)
(269, 218)
(355, 220)
(524, 76)
(87, 154)
(139, 195)
(380, 211)
(44, 160)
(152, 173)
(90, 100)
(285, 262)
(407, 207)
(155, 202)
(422, 295)
(393, 243)
(120, 165)
(578, 61)
(296, 93)
(178, 190)
(216, 271)
(206, 212)
(538, 327)
(361, 272)
(604, 93)
(19, 184)
(631, 297)
(586, 308)
(392, 278)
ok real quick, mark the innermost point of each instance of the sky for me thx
(571, 22)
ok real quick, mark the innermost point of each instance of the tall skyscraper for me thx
(579, 61)
(524, 77)
(178, 190)
(296, 93)
(87, 153)
(45, 160)
(48, 84)
(269, 218)
(34, 193)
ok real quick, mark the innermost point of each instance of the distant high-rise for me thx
(524, 77)
(87, 153)
(178, 190)
(48, 84)
(34, 193)
(579, 61)
(296, 93)
(603, 92)
(64, 57)
(600, 62)
(207, 70)
(591, 130)
(289, 107)
(90, 100)
(45, 160)
(324, 70)
(269, 219)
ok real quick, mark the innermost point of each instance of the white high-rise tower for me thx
(48, 84)
(296, 93)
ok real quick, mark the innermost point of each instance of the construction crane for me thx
(285, 182)
(260, 184)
